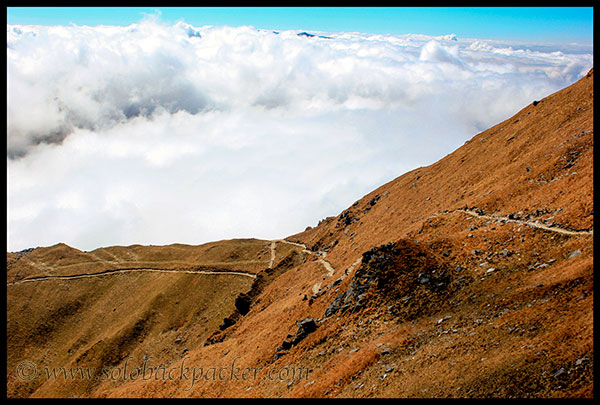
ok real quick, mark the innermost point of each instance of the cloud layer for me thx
(156, 133)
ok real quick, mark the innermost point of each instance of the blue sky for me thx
(537, 24)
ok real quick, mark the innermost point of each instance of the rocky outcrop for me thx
(407, 277)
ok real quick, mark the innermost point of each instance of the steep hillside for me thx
(472, 277)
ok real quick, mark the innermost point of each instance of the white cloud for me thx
(157, 133)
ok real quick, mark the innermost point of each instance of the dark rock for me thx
(338, 304)
(242, 303)
(374, 200)
(305, 327)
(286, 345)
(227, 322)
(346, 218)
(308, 325)
(535, 102)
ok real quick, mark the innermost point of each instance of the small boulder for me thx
(424, 278)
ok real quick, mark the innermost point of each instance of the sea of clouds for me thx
(158, 133)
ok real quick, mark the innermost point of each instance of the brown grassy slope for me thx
(101, 321)
(511, 315)
(249, 255)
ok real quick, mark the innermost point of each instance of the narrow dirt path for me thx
(522, 222)
(326, 264)
(121, 271)
(138, 263)
(321, 258)
(316, 288)
(321, 255)
(302, 245)
(273, 246)
(328, 267)
(352, 266)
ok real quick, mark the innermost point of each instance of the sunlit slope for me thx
(68, 308)
(250, 255)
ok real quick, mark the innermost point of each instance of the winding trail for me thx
(141, 264)
(301, 245)
(532, 224)
(328, 267)
(316, 288)
(330, 270)
(326, 264)
(321, 255)
(131, 270)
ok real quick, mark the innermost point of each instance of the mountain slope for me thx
(68, 308)
(472, 277)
